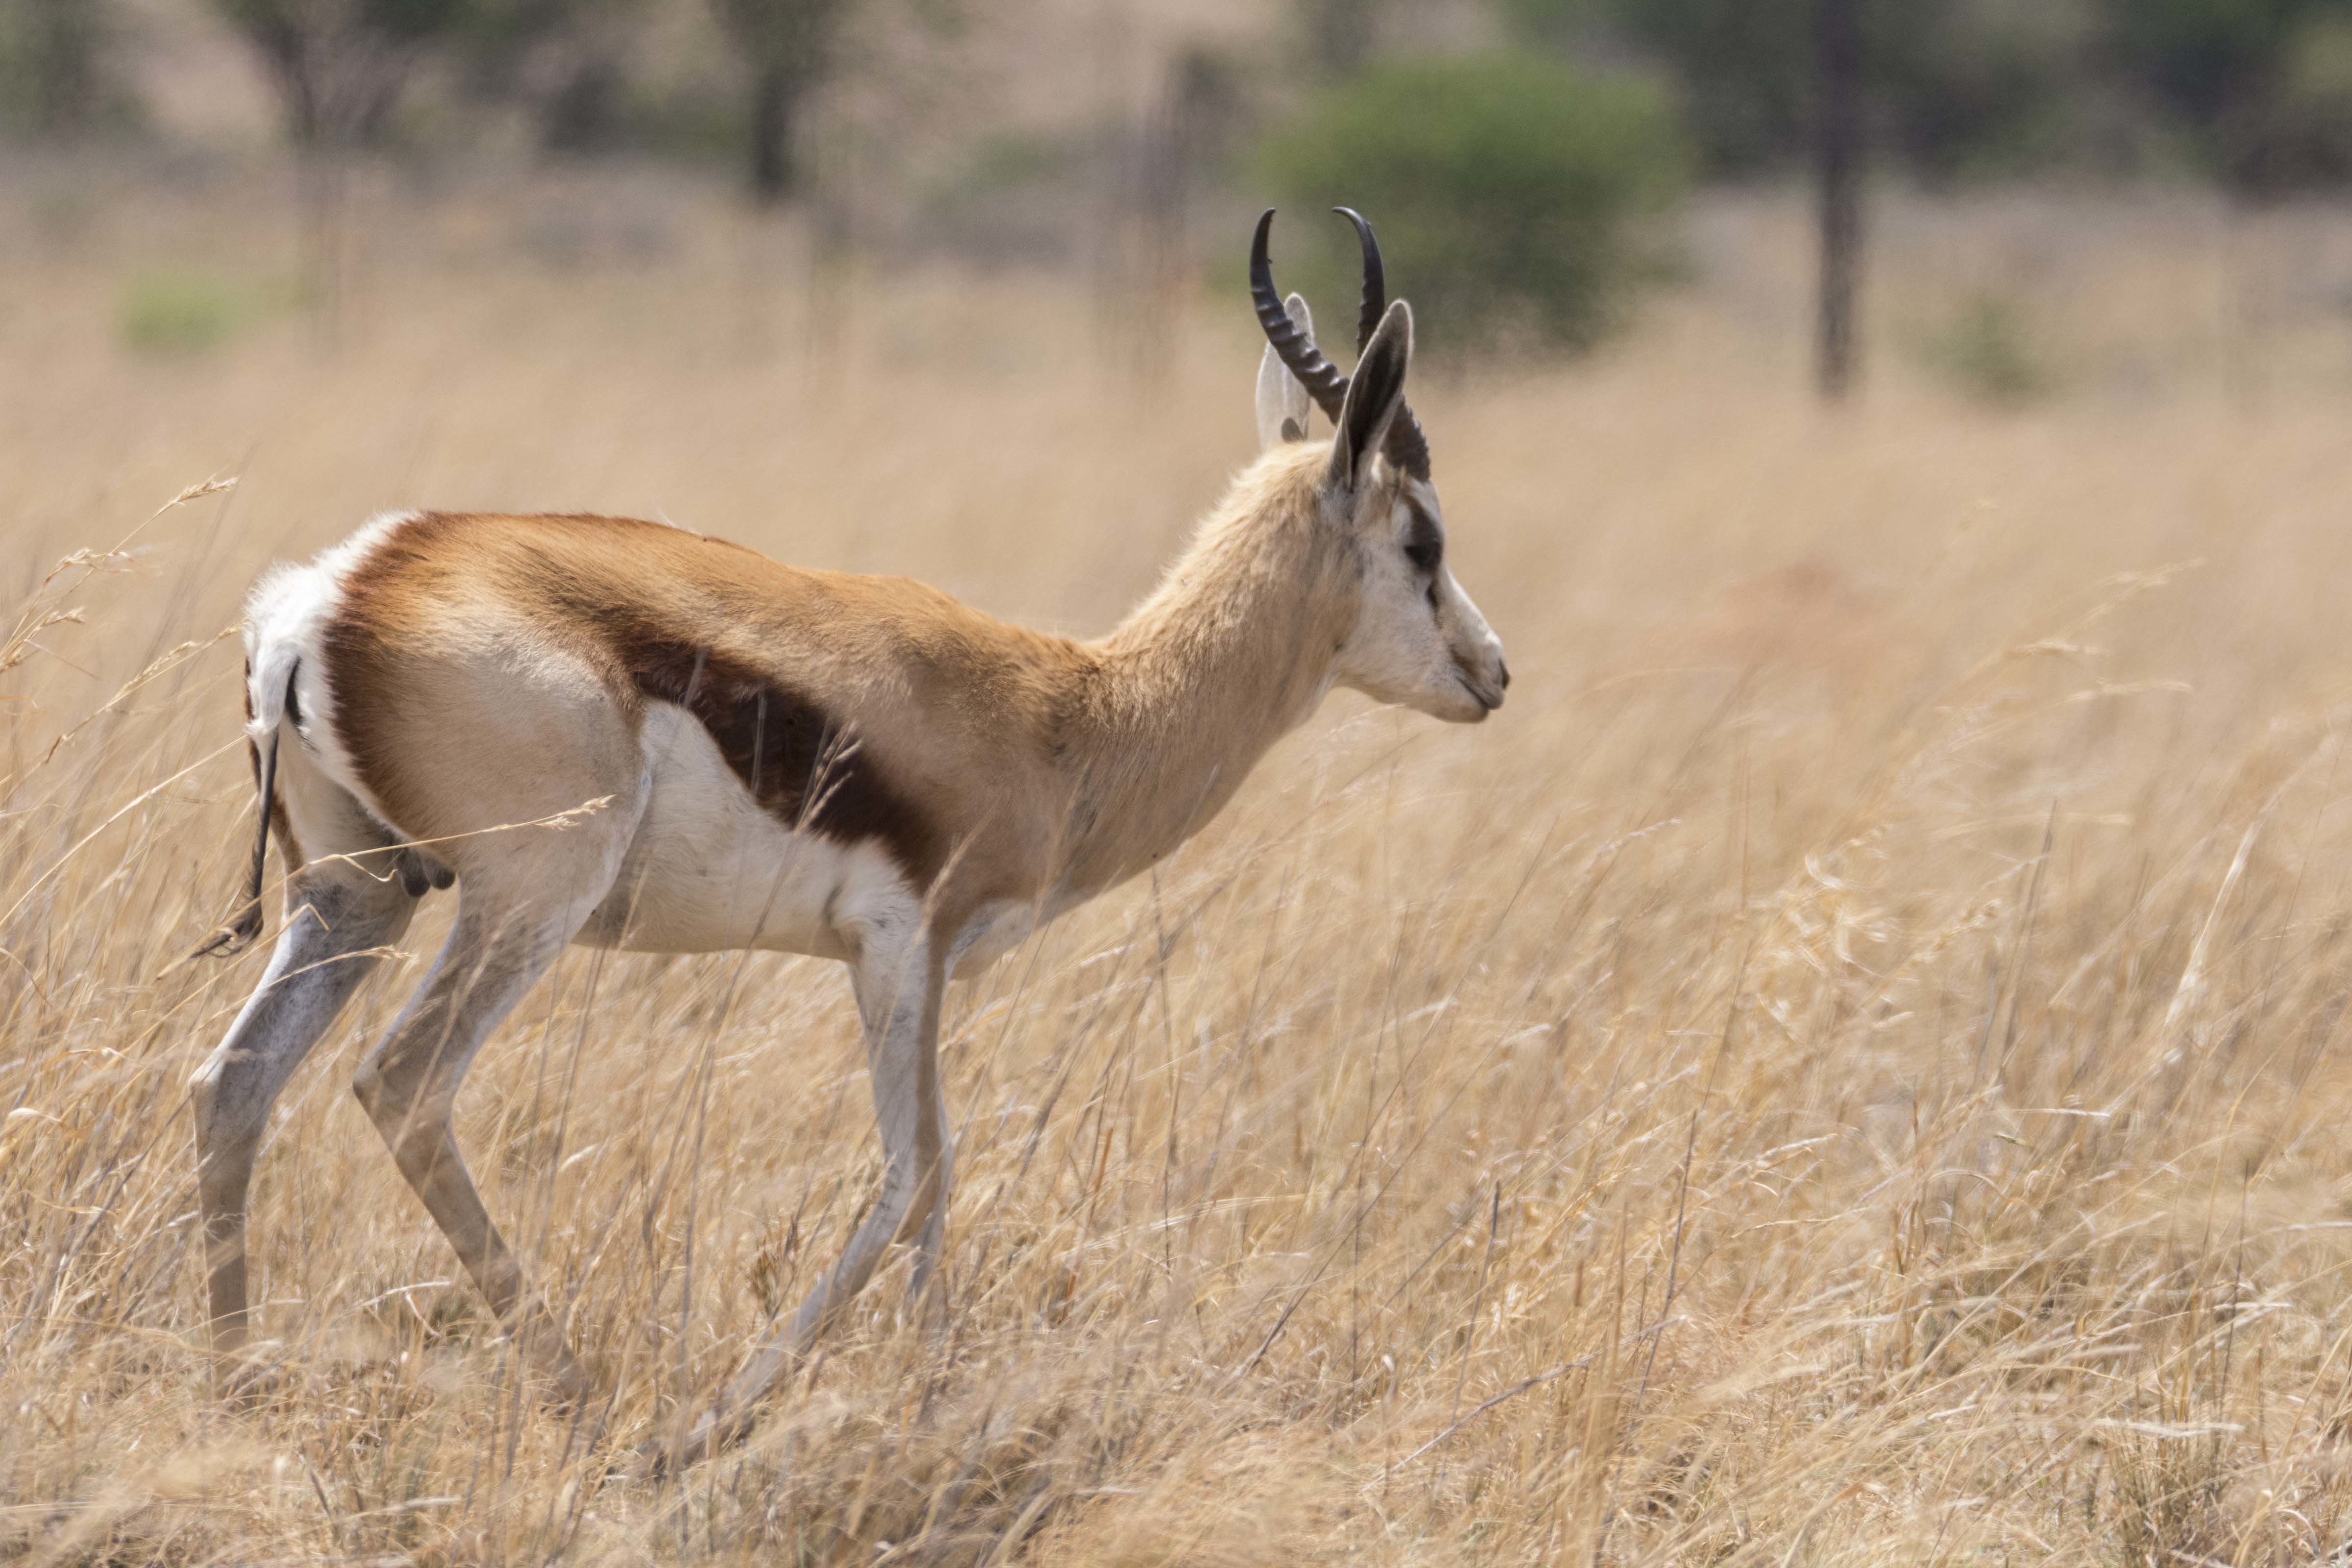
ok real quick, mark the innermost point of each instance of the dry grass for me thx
(1847, 1067)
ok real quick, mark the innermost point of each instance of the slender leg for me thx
(899, 1003)
(915, 1077)
(409, 1085)
(337, 915)
(930, 1241)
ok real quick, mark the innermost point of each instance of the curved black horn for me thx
(1318, 375)
(1376, 285)
(1408, 448)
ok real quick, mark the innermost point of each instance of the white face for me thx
(1419, 641)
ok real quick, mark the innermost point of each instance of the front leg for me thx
(934, 1143)
(898, 984)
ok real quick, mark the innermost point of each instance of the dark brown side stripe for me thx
(799, 762)
(802, 766)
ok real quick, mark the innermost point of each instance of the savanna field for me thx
(1848, 1067)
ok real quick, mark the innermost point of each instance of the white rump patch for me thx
(286, 616)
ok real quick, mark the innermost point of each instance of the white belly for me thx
(710, 870)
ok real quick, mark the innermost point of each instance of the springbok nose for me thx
(1502, 671)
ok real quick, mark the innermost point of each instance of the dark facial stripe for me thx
(1424, 542)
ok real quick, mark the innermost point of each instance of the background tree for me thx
(563, 62)
(338, 67)
(55, 83)
(791, 46)
(1341, 35)
(1952, 86)
(1743, 68)
(1510, 190)
(1937, 88)
(1837, 97)
(2263, 87)
(1974, 86)
(1153, 176)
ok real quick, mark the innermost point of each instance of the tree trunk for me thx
(1837, 65)
(1339, 34)
(61, 41)
(775, 97)
(319, 194)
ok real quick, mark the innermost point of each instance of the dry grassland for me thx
(1847, 1067)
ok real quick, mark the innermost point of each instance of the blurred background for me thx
(1542, 170)
(1904, 446)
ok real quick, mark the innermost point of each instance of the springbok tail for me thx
(239, 934)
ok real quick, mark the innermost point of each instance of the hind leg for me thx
(499, 947)
(340, 914)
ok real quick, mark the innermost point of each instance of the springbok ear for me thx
(1375, 393)
(1281, 396)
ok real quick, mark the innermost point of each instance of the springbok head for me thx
(1418, 640)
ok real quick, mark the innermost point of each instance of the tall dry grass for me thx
(1846, 1068)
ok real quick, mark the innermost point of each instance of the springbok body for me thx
(748, 755)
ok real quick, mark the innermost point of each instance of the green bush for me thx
(1958, 88)
(1511, 195)
(1986, 351)
(179, 314)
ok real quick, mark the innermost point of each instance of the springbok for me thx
(856, 767)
